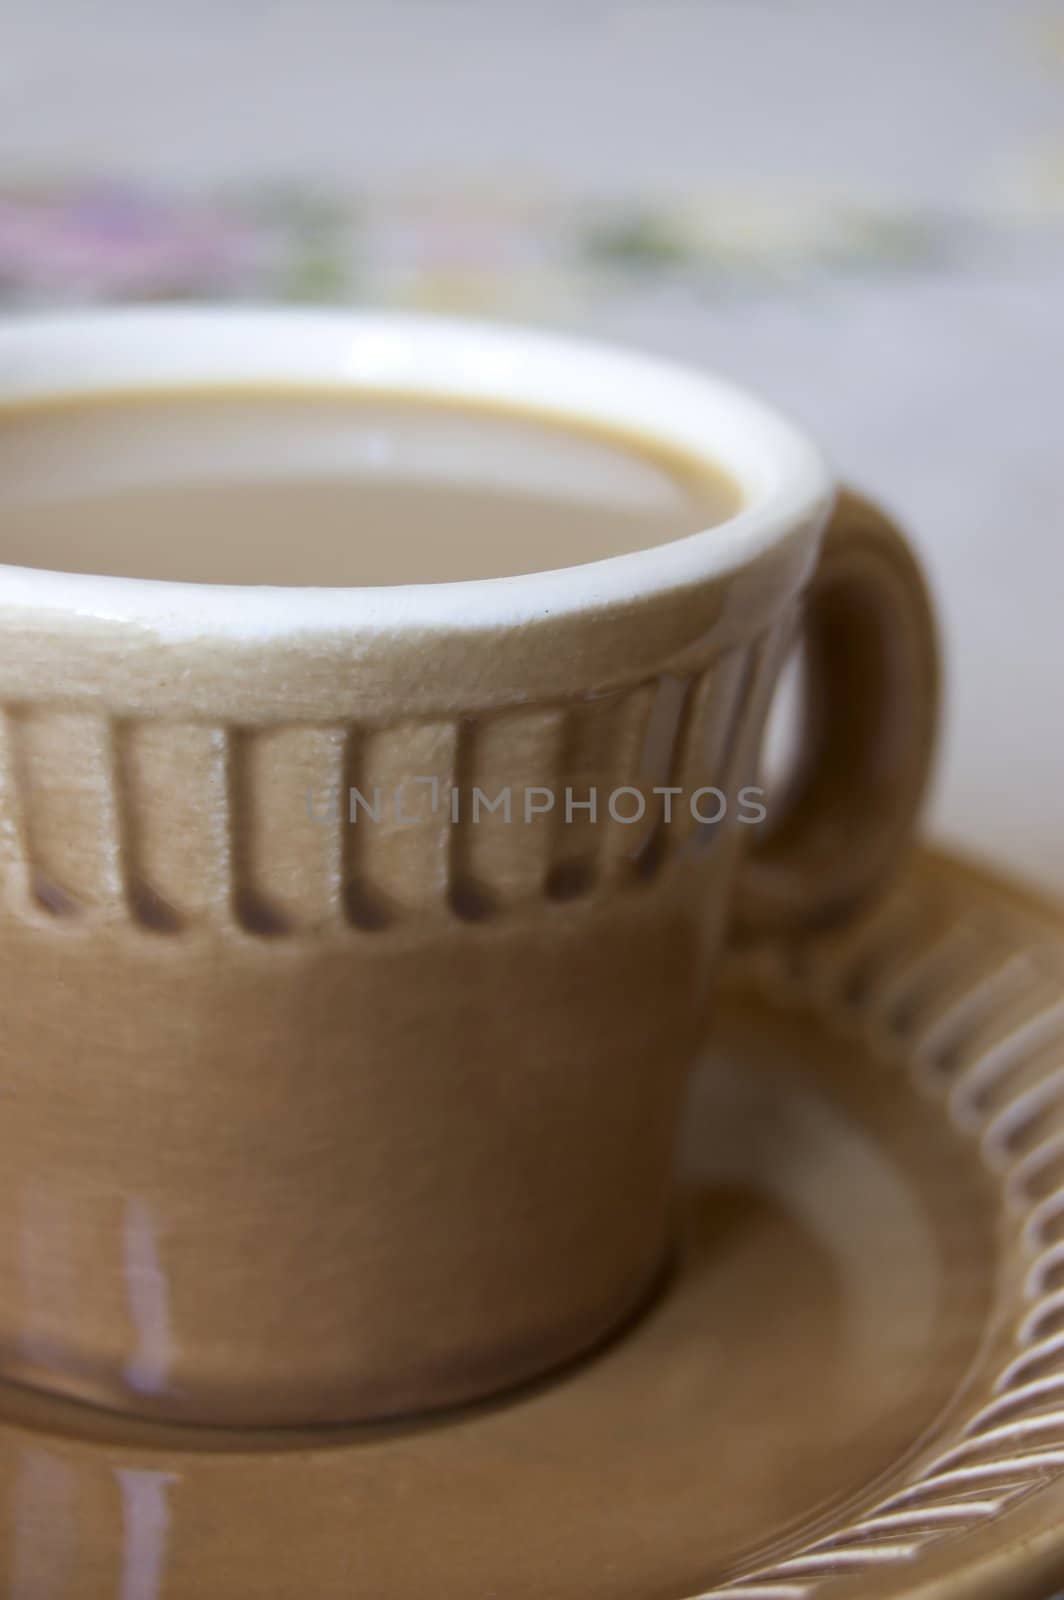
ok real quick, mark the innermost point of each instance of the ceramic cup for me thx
(308, 1118)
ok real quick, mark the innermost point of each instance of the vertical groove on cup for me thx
(469, 895)
(666, 729)
(509, 757)
(710, 716)
(764, 661)
(70, 824)
(286, 843)
(621, 841)
(14, 864)
(176, 777)
(362, 906)
(717, 715)
(253, 909)
(592, 733)
(408, 774)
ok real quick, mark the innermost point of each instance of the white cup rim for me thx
(782, 475)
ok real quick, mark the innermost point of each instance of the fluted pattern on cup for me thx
(278, 829)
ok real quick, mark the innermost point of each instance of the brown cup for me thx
(307, 1118)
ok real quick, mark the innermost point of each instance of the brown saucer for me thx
(853, 1383)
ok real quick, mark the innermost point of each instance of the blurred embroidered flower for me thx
(109, 243)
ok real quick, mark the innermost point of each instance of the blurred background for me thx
(856, 206)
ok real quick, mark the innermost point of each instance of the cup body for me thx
(330, 1091)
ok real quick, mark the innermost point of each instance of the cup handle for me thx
(870, 712)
